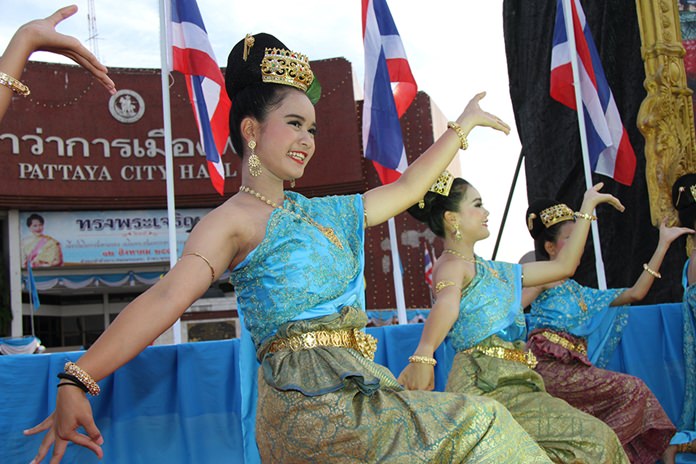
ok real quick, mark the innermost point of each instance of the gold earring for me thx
(292, 183)
(457, 232)
(254, 161)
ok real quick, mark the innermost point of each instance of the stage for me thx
(181, 403)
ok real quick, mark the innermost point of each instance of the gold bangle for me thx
(212, 270)
(585, 216)
(422, 360)
(464, 144)
(655, 274)
(13, 84)
(73, 369)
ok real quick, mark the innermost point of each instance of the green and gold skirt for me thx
(331, 404)
(568, 435)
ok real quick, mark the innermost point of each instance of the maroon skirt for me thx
(622, 401)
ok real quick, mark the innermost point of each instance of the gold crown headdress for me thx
(682, 189)
(441, 186)
(552, 215)
(280, 66)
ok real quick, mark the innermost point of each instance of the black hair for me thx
(435, 206)
(539, 232)
(684, 201)
(250, 96)
(255, 101)
(34, 217)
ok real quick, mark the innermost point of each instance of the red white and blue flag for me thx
(193, 56)
(428, 267)
(389, 90)
(610, 151)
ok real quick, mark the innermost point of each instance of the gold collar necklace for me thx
(327, 231)
(471, 260)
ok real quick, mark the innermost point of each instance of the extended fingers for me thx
(40, 427)
(46, 443)
(84, 440)
(62, 14)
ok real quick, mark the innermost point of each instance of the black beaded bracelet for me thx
(74, 380)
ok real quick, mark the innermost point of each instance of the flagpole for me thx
(168, 161)
(397, 274)
(570, 32)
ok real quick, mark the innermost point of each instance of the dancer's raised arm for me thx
(387, 201)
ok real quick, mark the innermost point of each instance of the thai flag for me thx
(193, 56)
(609, 149)
(389, 90)
(428, 268)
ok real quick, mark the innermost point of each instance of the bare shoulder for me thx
(232, 219)
(453, 269)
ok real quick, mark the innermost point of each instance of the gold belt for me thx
(356, 339)
(565, 343)
(524, 357)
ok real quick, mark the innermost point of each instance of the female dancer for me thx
(478, 308)
(684, 201)
(297, 268)
(574, 329)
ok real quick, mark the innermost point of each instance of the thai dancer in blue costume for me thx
(684, 201)
(478, 308)
(297, 265)
(573, 330)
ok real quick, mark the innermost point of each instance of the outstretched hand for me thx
(72, 411)
(41, 35)
(670, 234)
(473, 116)
(593, 197)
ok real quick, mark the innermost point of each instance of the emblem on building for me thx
(127, 106)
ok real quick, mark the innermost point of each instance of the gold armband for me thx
(212, 270)
(443, 284)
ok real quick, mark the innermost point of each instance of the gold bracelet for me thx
(585, 216)
(73, 369)
(13, 84)
(460, 133)
(655, 274)
(212, 270)
(422, 360)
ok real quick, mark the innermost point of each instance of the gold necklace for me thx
(471, 260)
(327, 231)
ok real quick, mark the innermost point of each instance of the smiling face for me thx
(472, 216)
(36, 227)
(285, 139)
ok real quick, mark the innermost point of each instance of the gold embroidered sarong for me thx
(358, 413)
(568, 435)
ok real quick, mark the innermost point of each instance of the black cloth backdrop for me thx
(551, 144)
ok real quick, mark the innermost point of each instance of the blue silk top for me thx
(296, 272)
(490, 305)
(561, 308)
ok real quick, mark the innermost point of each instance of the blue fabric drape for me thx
(181, 404)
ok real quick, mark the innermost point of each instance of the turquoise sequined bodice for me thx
(296, 272)
(490, 305)
(583, 312)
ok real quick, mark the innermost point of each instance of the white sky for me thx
(455, 48)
